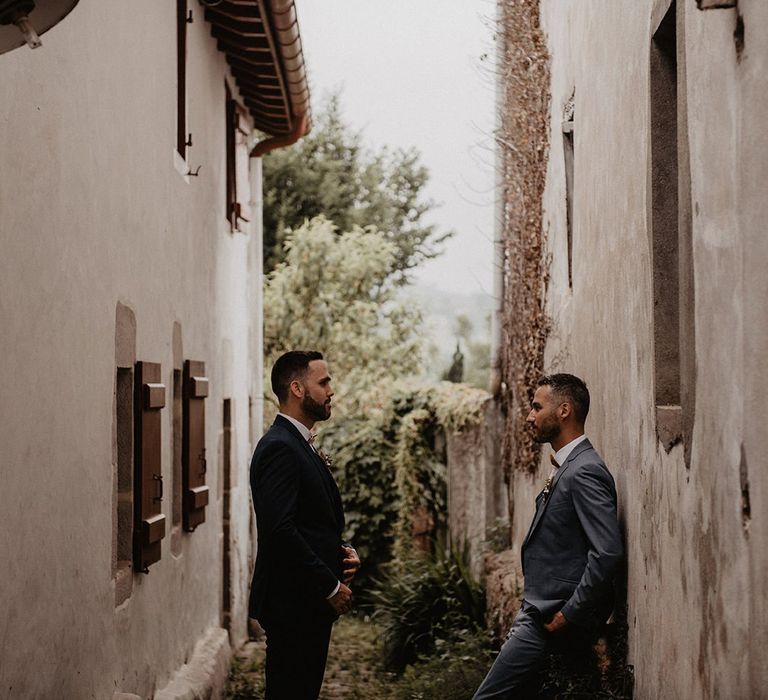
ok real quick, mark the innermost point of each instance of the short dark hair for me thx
(290, 366)
(567, 387)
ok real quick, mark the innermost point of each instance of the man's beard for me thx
(316, 411)
(548, 431)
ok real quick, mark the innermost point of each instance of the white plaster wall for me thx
(696, 594)
(92, 213)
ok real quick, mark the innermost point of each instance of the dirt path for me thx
(351, 672)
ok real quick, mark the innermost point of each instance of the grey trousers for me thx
(528, 644)
(524, 649)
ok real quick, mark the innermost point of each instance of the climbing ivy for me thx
(390, 464)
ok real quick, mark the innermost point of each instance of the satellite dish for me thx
(23, 21)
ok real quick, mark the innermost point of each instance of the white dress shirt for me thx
(564, 452)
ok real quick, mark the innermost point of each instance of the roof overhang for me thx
(261, 41)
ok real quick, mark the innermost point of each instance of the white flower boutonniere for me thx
(326, 458)
(547, 486)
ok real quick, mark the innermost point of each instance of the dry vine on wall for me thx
(523, 140)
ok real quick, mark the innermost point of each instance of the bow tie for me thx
(551, 477)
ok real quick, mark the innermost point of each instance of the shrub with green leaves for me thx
(426, 602)
(453, 673)
(389, 464)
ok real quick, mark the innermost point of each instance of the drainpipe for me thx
(256, 302)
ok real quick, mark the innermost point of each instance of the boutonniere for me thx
(326, 458)
(548, 486)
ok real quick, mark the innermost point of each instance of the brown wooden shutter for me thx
(193, 448)
(149, 522)
(231, 113)
(242, 159)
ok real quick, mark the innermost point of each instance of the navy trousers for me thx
(297, 650)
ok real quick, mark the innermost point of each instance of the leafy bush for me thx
(426, 602)
(389, 464)
(363, 467)
(453, 673)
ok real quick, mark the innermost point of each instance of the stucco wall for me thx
(93, 213)
(476, 490)
(696, 603)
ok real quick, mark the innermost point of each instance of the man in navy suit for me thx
(573, 547)
(303, 568)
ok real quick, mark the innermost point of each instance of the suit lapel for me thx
(541, 505)
(329, 483)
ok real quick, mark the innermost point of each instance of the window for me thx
(671, 244)
(568, 138)
(123, 453)
(182, 140)
(124, 480)
(176, 497)
(226, 564)
(238, 182)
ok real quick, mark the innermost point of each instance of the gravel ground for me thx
(351, 672)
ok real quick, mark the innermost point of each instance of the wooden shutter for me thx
(193, 449)
(231, 165)
(149, 528)
(242, 177)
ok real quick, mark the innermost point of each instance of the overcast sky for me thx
(411, 75)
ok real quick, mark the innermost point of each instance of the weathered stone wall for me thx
(95, 216)
(476, 489)
(696, 530)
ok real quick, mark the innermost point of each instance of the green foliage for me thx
(361, 449)
(332, 294)
(389, 464)
(246, 678)
(453, 673)
(330, 173)
(425, 603)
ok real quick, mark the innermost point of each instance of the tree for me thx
(330, 173)
(334, 292)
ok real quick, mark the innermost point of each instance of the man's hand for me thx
(351, 564)
(556, 623)
(342, 601)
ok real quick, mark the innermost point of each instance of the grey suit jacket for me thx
(573, 546)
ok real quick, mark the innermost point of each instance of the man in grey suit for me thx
(573, 545)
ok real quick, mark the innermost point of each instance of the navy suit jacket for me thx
(300, 519)
(573, 546)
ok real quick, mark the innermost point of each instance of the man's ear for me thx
(297, 389)
(564, 410)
